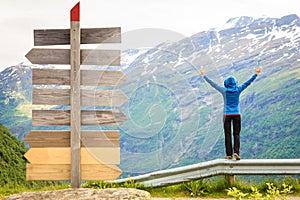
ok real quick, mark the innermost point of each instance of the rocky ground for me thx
(93, 194)
(83, 194)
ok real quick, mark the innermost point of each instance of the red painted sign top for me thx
(75, 12)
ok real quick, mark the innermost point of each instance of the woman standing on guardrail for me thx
(231, 95)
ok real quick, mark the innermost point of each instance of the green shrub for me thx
(255, 193)
(196, 188)
(236, 193)
(272, 193)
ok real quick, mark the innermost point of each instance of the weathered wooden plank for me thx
(103, 98)
(101, 57)
(88, 77)
(49, 56)
(62, 155)
(62, 172)
(42, 96)
(50, 77)
(102, 78)
(75, 120)
(88, 117)
(101, 35)
(104, 138)
(45, 37)
(100, 172)
(62, 56)
(50, 118)
(87, 97)
(102, 117)
(45, 138)
(56, 138)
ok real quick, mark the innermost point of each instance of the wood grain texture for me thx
(50, 96)
(44, 37)
(50, 77)
(56, 155)
(100, 172)
(62, 172)
(56, 138)
(62, 56)
(101, 57)
(102, 78)
(87, 97)
(103, 98)
(88, 77)
(102, 117)
(75, 119)
(104, 138)
(88, 118)
(50, 118)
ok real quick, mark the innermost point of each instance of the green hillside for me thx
(12, 163)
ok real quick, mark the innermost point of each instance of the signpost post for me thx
(75, 96)
(75, 154)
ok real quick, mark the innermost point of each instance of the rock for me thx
(83, 194)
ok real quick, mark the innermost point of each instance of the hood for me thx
(231, 83)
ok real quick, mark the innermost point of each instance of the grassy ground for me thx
(209, 188)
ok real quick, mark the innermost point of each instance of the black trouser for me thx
(236, 122)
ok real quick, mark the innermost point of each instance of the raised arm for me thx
(247, 83)
(211, 82)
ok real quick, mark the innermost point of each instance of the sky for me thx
(18, 18)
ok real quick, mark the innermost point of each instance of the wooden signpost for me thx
(75, 154)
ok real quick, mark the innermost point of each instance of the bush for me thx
(196, 188)
(272, 192)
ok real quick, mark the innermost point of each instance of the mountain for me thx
(15, 99)
(174, 116)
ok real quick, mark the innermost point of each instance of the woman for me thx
(231, 95)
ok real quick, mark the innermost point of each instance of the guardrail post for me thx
(229, 178)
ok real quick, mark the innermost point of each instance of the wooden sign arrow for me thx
(99, 138)
(88, 36)
(62, 56)
(88, 97)
(99, 155)
(63, 172)
(88, 117)
(87, 77)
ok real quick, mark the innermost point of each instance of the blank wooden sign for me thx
(88, 118)
(46, 37)
(56, 138)
(63, 172)
(88, 97)
(91, 155)
(62, 56)
(88, 77)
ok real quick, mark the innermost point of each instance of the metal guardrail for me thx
(218, 167)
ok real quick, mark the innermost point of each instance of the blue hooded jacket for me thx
(231, 93)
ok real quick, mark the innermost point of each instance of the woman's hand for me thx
(258, 70)
(202, 72)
